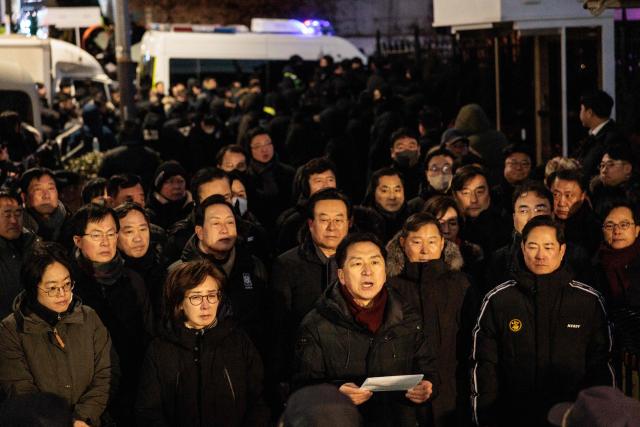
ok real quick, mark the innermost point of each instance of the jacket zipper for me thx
(226, 375)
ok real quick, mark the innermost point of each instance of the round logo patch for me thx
(515, 325)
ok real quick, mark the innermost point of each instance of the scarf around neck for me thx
(369, 317)
(105, 273)
(615, 262)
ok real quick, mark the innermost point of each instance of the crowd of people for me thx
(243, 244)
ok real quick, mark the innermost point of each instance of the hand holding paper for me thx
(420, 393)
(357, 395)
(392, 383)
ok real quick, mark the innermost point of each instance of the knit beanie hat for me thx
(167, 170)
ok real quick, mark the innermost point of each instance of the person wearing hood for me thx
(46, 216)
(203, 370)
(483, 221)
(571, 207)
(458, 144)
(272, 178)
(386, 196)
(405, 156)
(363, 328)
(16, 244)
(425, 269)
(216, 241)
(116, 293)
(540, 337)
(488, 142)
(132, 156)
(135, 246)
(53, 343)
(437, 177)
(171, 201)
(315, 175)
(204, 141)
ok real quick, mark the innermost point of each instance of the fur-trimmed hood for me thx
(396, 258)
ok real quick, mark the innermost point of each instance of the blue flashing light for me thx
(318, 26)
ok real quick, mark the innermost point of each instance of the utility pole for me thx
(126, 70)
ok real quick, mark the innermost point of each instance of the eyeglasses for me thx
(443, 169)
(522, 164)
(98, 237)
(624, 225)
(58, 290)
(16, 213)
(537, 209)
(212, 298)
(609, 164)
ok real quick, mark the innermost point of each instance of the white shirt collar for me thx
(598, 128)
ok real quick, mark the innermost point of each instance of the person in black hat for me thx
(457, 142)
(171, 201)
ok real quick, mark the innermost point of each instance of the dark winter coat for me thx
(202, 148)
(299, 277)
(591, 150)
(487, 230)
(602, 197)
(538, 341)
(51, 229)
(246, 289)
(131, 157)
(164, 212)
(440, 292)
(83, 372)
(201, 378)
(273, 183)
(13, 253)
(332, 347)
(583, 228)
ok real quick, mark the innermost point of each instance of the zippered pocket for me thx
(226, 375)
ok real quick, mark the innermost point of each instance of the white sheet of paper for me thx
(392, 383)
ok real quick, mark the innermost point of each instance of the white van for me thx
(174, 56)
(18, 93)
(49, 61)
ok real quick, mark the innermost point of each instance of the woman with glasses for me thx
(52, 343)
(203, 370)
(425, 268)
(619, 256)
(117, 293)
(438, 174)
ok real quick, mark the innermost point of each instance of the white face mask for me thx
(240, 203)
(440, 182)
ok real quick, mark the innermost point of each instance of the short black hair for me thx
(464, 174)
(369, 198)
(34, 173)
(402, 133)
(313, 166)
(124, 209)
(204, 176)
(352, 239)
(599, 101)
(544, 221)
(252, 133)
(9, 194)
(122, 181)
(531, 186)
(201, 208)
(635, 211)
(418, 220)
(327, 194)
(621, 152)
(232, 148)
(575, 175)
(91, 213)
(438, 151)
(95, 187)
(43, 255)
(517, 148)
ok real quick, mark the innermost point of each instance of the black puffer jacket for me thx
(443, 296)
(13, 253)
(202, 378)
(332, 347)
(538, 341)
(583, 228)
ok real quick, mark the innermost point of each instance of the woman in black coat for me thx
(203, 370)
(425, 269)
